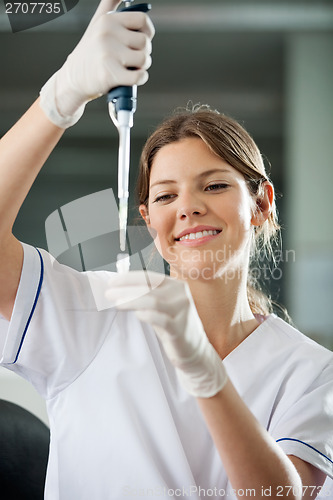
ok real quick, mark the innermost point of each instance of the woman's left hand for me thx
(167, 305)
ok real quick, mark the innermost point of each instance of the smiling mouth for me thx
(199, 234)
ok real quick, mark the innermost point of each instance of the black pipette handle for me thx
(124, 97)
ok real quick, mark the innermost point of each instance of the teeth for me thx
(199, 234)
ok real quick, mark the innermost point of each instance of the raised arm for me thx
(112, 43)
(23, 151)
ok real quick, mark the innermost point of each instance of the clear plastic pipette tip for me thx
(123, 211)
(123, 260)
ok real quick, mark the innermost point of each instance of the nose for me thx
(190, 206)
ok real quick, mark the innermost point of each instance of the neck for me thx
(224, 311)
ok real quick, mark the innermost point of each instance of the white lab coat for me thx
(121, 424)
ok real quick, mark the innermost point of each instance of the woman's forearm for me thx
(23, 152)
(252, 459)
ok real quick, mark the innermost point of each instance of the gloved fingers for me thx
(157, 320)
(145, 302)
(137, 21)
(167, 291)
(119, 49)
(130, 32)
(111, 45)
(130, 77)
(136, 40)
(140, 78)
(172, 341)
(157, 290)
(118, 75)
(135, 59)
(139, 298)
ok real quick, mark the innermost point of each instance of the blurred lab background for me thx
(267, 63)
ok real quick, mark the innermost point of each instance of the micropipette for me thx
(122, 106)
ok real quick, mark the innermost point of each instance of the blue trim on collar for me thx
(306, 444)
(34, 305)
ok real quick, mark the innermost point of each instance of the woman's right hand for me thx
(112, 43)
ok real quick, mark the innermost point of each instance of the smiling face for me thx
(201, 210)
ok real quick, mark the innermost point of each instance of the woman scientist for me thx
(188, 387)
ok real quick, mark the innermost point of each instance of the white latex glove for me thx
(112, 43)
(168, 306)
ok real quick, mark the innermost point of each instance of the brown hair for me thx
(230, 141)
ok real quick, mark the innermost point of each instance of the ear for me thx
(264, 204)
(144, 214)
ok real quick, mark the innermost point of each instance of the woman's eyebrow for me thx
(206, 173)
(163, 181)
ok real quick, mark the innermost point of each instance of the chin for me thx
(195, 272)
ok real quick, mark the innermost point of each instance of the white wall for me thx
(309, 182)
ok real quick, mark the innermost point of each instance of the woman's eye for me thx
(163, 197)
(216, 186)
